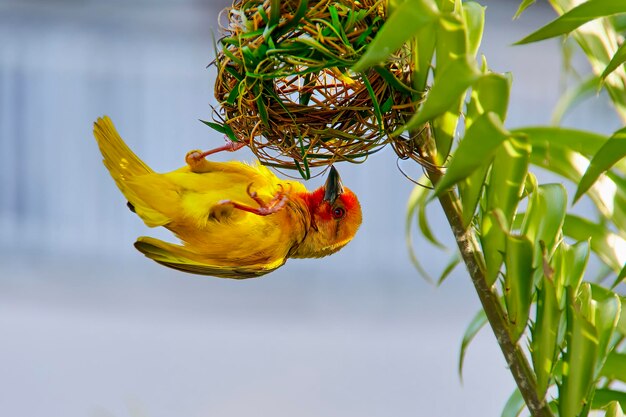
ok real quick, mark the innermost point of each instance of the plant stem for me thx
(473, 258)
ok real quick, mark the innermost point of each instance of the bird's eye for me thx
(339, 212)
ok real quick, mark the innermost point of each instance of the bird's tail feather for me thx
(124, 165)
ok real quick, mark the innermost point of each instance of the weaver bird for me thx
(234, 220)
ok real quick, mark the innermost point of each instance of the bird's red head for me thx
(335, 218)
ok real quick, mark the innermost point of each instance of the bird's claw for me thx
(276, 204)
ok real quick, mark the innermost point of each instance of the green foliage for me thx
(575, 18)
(533, 261)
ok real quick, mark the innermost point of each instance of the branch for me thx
(473, 258)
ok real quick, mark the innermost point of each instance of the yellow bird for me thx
(234, 220)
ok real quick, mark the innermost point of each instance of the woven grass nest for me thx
(285, 87)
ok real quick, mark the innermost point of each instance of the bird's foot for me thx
(196, 156)
(276, 204)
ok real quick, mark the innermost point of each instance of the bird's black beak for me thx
(333, 186)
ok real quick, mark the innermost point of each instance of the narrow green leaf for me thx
(411, 16)
(454, 261)
(474, 16)
(544, 218)
(424, 225)
(514, 405)
(446, 105)
(544, 335)
(375, 104)
(610, 247)
(576, 17)
(234, 94)
(523, 6)
(603, 397)
(477, 323)
(615, 367)
(606, 316)
(417, 198)
(579, 358)
(274, 12)
(223, 129)
(476, 149)
(508, 175)
(575, 261)
(618, 59)
(518, 282)
(470, 190)
(490, 93)
(393, 81)
(423, 56)
(620, 277)
(613, 409)
(455, 78)
(585, 143)
(612, 151)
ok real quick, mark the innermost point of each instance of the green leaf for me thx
(503, 192)
(470, 190)
(575, 260)
(585, 143)
(424, 225)
(476, 149)
(490, 93)
(606, 316)
(454, 261)
(518, 282)
(508, 175)
(375, 104)
(612, 151)
(603, 397)
(576, 17)
(450, 49)
(477, 323)
(274, 12)
(423, 56)
(418, 197)
(544, 218)
(615, 367)
(613, 409)
(620, 277)
(474, 16)
(545, 335)
(411, 16)
(609, 196)
(523, 6)
(223, 129)
(449, 85)
(618, 59)
(514, 405)
(610, 247)
(580, 356)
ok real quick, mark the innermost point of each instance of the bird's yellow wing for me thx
(180, 258)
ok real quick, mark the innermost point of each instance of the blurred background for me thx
(89, 327)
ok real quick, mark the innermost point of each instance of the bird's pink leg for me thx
(230, 146)
(274, 205)
(196, 159)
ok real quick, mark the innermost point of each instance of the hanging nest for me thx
(285, 87)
